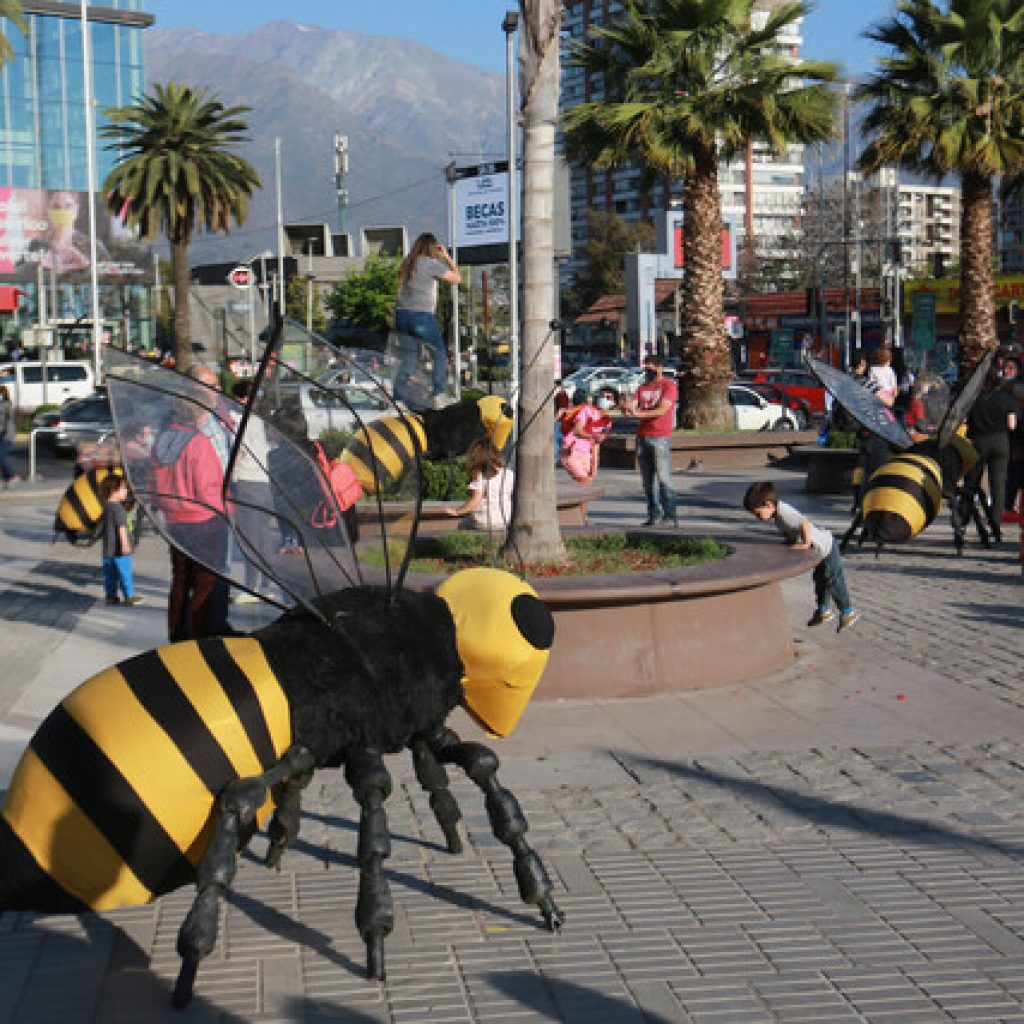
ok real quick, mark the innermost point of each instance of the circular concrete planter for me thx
(681, 629)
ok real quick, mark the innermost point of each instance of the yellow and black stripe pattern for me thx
(81, 508)
(111, 804)
(386, 450)
(902, 497)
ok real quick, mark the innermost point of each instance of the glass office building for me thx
(44, 168)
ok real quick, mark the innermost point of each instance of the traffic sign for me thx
(241, 277)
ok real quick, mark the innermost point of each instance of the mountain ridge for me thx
(405, 108)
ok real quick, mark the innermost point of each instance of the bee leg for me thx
(236, 809)
(375, 913)
(434, 780)
(284, 825)
(848, 536)
(508, 824)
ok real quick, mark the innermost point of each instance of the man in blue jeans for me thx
(654, 405)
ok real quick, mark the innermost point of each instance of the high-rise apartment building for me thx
(43, 162)
(763, 192)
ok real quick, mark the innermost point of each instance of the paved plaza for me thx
(838, 842)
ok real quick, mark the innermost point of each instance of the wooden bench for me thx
(737, 450)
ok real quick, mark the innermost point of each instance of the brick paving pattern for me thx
(871, 882)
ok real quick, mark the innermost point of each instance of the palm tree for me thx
(534, 535)
(179, 174)
(950, 100)
(10, 9)
(687, 83)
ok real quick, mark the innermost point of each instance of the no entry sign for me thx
(241, 277)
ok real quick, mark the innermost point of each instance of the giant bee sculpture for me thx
(904, 495)
(156, 772)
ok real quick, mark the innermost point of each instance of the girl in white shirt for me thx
(489, 505)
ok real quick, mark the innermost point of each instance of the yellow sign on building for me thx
(1005, 288)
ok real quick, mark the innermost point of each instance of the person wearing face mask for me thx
(584, 427)
(654, 405)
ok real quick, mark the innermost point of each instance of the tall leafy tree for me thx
(179, 173)
(609, 238)
(686, 84)
(534, 532)
(10, 9)
(949, 99)
(366, 298)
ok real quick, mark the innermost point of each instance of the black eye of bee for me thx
(506, 410)
(534, 621)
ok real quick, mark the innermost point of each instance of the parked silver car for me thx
(86, 419)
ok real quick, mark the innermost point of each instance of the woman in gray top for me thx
(427, 263)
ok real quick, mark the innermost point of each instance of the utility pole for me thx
(340, 170)
(846, 219)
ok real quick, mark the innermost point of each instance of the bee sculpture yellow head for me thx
(504, 634)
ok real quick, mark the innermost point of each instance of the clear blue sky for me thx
(471, 29)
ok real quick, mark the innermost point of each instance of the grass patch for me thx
(607, 554)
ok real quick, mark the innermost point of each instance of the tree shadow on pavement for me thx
(998, 614)
(560, 1000)
(850, 816)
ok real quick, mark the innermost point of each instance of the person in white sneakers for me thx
(762, 500)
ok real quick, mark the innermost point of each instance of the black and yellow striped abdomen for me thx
(385, 450)
(81, 508)
(111, 804)
(902, 497)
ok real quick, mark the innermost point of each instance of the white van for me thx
(65, 379)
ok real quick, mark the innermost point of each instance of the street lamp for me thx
(509, 26)
(90, 159)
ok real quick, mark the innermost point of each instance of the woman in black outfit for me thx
(989, 424)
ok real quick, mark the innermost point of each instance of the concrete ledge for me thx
(571, 500)
(740, 450)
(829, 470)
(682, 629)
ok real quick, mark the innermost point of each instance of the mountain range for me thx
(406, 109)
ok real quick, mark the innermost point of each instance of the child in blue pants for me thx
(117, 543)
(762, 500)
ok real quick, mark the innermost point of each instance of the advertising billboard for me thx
(51, 227)
(481, 209)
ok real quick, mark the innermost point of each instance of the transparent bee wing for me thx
(336, 406)
(413, 363)
(866, 408)
(188, 481)
(961, 407)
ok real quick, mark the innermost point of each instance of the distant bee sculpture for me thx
(157, 771)
(904, 495)
(80, 510)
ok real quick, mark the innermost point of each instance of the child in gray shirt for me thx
(762, 500)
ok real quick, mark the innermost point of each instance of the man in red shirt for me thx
(654, 405)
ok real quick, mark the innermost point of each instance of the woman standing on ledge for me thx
(427, 263)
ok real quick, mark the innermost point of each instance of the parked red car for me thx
(796, 382)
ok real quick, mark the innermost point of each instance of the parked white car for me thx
(341, 407)
(750, 411)
(592, 379)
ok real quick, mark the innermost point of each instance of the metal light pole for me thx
(90, 159)
(280, 224)
(509, 26)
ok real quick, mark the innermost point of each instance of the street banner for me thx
(481, 210)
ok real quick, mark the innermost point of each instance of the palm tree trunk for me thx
(977, 306)
(535, 536)
(182, 317)
(706, 361)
